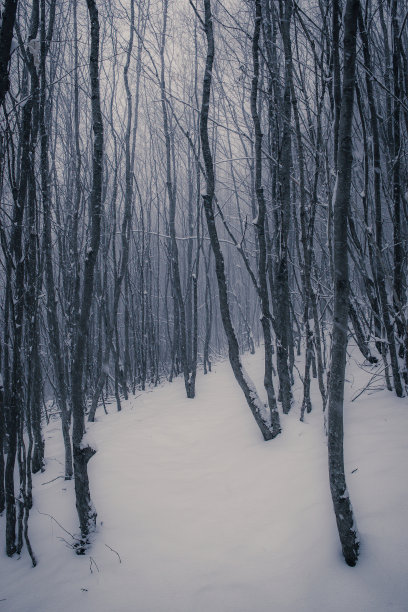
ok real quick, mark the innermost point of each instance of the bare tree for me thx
(83, 452)
(260, 226)
(254, 403)
(340, 496)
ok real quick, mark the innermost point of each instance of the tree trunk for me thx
(260, 227)
(341, 500)
(16, 390)
(81, 453)
(2, 432)
(6, 37)
(254, 403)
(282, 293)
(174, 256)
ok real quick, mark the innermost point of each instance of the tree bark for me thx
(6, 37)
(260, 227)
(82, 453)
(282, 294)
(341, 500)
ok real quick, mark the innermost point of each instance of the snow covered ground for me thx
(197, 514)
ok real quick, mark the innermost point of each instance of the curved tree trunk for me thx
(254, 403)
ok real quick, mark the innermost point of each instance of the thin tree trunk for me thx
(174, 256)
(282, 294)
(125, 237)
(254, 403)
(260, 227)
(51, 309)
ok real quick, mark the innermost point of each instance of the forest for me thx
(184, 183)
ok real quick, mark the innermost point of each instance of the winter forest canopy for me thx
(186, 181)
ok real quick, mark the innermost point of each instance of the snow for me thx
(196, 513)
(89, 440)
(14, 45)
(34, 46)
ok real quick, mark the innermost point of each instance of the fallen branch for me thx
(48, 482)
(92, 560)
(115, 551)
(59, 524)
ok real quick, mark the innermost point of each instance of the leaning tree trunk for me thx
(82, 452)
(341, 500)
(260, 227)
(254, 403)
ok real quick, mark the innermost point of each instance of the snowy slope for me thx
(205, 516)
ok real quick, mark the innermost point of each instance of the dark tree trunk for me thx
(282, 294)
(82, 454)
(16, 389)
(260, 227)
(208, 314)
(6, 37)
(341, 500)
(125, 237)
(254, 403)
(2, 432)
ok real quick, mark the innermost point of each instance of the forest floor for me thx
(197, 514)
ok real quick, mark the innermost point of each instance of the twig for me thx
(197, 14)
(298, 371)
(92, 560)
(375, 375)
(69, 544)
(115, 551)
(59, 524)
(48, 482)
